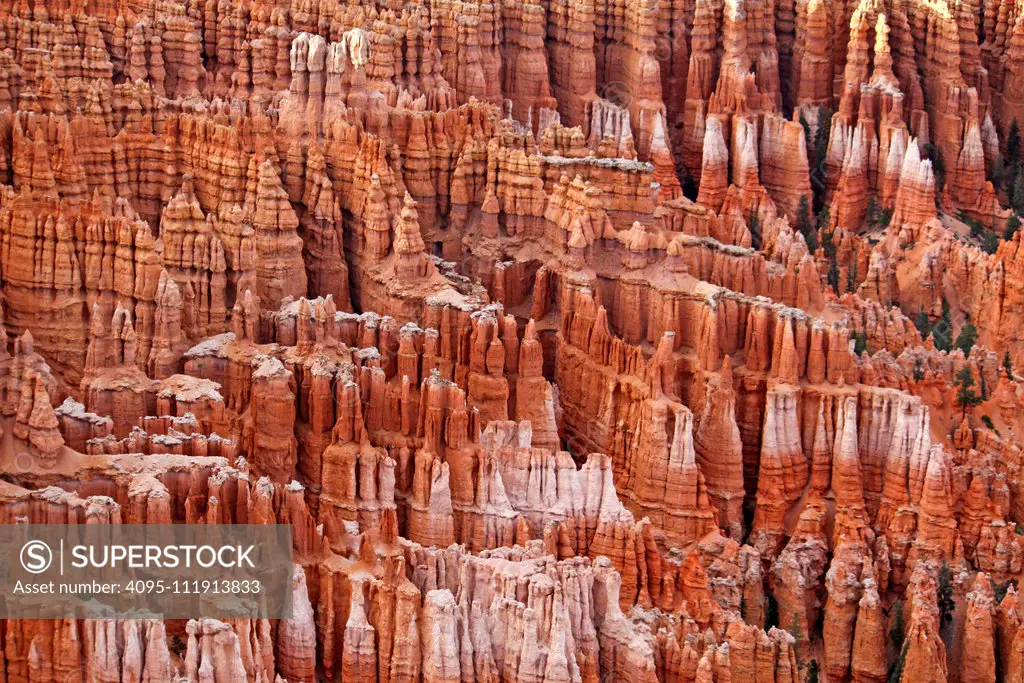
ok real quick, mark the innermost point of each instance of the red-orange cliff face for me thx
(577, 341)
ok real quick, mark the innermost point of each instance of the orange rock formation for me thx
(634, 340)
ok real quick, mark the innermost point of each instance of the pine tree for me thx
(771, 613)
(824, 217)
(975, 225)
(922, 323)
(896, 670)
(754, 225)
(999, 590)
(860, 343)
(821, 138)
(803, 224)
(945, 594)
(833, 275)
(822, 134)
(938, 167)
(965, 394)
(884, 218)
(803, 215)
(1013, 145)
(1012, 226)
(989, 242)
(896, 629)
(942, 332)
(1008, 365)
(967, 338)
(873, 212)
(999, 173)
(1017, 193)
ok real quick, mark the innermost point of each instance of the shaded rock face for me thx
(577, 341)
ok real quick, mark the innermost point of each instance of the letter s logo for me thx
(36, 557)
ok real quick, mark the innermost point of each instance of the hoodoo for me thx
(574, 341)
